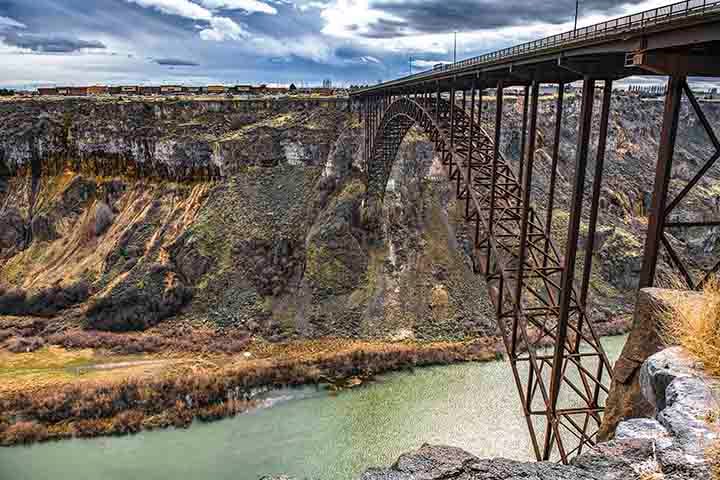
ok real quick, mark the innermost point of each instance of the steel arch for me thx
(562, 394)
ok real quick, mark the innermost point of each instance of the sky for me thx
(197, 42)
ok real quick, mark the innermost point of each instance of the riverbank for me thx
(55, 393)
(309, 432)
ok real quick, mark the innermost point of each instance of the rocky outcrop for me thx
(626, 399)
(271, 247)
(438, 462)
(677, 444)
(159, 138)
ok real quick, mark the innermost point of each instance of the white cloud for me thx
(222, 29)
(312, 5)
(249, 6)
(182, 8)
(310, 47)
(7, 22)
(425, 63)
(349, 18)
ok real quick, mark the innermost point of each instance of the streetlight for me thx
(455, 47)
(577, 5)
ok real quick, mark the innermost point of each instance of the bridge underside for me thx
(559, 366)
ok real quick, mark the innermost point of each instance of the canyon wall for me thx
(175, 214)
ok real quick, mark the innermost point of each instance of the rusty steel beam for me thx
(568, 277)
(553, 168)
(523, 132)
(495, 158)
(597, 186)
(668, 136)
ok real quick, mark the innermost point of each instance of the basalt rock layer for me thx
(248, 216)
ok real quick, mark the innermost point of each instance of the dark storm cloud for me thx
(176, 62)
(438, 16)
(86, 18)
(383, 28)
(49, 43)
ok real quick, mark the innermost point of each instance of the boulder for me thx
(436, 462)
(103, 218)
(687, 408)
(625, 399)
(675, 443)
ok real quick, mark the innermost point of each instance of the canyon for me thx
(223, 242)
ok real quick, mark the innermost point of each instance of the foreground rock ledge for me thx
(436, 462)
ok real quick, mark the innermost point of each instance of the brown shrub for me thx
(136, 310)
(24, 432)
(23, 345)
(182, 416)
(694, 324)
(129, 421)
(89, 428)
(45, 303)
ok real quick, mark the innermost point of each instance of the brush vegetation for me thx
(694, 324)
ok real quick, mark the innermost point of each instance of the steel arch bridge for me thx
(531, 282)
(524, 278)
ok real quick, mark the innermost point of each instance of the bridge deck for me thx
(601, 49)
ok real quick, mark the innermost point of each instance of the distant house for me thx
(170, 89)
(125, 90)
(78, 91)
(243, 89)
(259, 90)
(98, 90)
(149, 90)
(216, 89)
(192, 90)
(276, 90)
(48, 91)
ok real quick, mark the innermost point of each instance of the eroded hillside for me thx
(246, 222)
(200, 215)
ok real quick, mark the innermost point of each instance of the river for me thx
(308, 433)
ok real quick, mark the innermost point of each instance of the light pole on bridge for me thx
(455, 47)
(577, 6)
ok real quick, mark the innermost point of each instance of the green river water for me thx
(308, 433)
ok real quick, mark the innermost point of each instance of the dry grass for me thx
(694, 324)
(713, 453)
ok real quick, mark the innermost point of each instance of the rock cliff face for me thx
(676, 444)
(226, 214)
(170, 215)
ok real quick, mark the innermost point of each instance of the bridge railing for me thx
(633, 22)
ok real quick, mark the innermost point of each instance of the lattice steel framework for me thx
(662, 208)
(530, 283)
